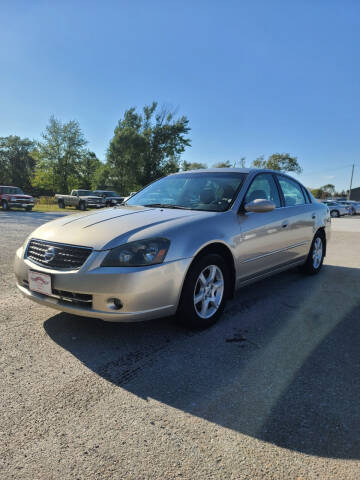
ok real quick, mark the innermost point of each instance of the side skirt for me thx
(241, 282)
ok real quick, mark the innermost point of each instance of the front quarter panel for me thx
(188, 239)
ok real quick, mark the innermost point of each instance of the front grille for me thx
(80, 299)
(57, 255)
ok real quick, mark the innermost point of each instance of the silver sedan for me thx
(337, 209)
(353, 207)
(181, 246)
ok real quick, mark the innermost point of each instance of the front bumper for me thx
(145, 292)
(95, 205)
(22, 204)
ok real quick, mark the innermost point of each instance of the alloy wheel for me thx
(209, 291)
(317, 252)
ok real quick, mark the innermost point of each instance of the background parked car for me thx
(15, 197)
(81, 199)
(110, 198)
(337, 209)
(352, 205)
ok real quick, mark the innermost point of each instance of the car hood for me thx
(21, 196)
(108, 228)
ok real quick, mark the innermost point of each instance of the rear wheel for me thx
(316, 255)
(204, 292)
(82, 206)
(4, 205)
(335, 213)
(61, 204)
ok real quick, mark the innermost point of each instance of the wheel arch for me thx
(321, 231)
(223, 250)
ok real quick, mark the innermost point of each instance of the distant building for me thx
(355, 194)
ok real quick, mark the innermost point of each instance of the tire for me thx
(61, 204)
(82, 206)
(197, 285)
(316, 255)
(28, 209)
(353, 211)
(5, 205)
(335, 213)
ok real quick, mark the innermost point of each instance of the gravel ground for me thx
(271, 392)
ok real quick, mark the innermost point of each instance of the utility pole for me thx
(351, 180)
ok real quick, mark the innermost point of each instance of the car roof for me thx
(238, 170)
(232, 170)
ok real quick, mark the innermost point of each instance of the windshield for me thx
(110, 194)
(203, 191)
(85, 193)
(14, 191)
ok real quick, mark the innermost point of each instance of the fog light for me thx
(114, 303)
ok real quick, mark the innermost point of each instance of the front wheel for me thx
(204, 292)
(335, 213)
(4, 205)
(316, 255)
(82, 206)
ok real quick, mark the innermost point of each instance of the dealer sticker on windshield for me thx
(39, 282)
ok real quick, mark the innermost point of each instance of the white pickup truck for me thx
(81, 199)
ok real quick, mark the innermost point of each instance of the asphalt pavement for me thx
(271, 392)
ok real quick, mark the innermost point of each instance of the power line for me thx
(330, 169)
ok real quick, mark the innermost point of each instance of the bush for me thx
(46, 200)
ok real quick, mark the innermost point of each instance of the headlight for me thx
(138, 254)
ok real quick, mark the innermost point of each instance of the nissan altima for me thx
(181, 246)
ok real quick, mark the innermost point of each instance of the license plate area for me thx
(39, 282)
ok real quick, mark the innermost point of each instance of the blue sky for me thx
(253, 77)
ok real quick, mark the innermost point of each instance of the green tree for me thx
(242, 162)
(87, 168)
(317, 192)
(58, 156)
(328, 189)
(16, 161)
(225, 164)
(192, 165)
(146, 146)
(102, 178)
(279, 161)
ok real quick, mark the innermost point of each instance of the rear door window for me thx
(292, 191)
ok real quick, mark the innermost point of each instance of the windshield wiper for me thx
(164, 205)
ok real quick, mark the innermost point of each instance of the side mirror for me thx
(259, 205)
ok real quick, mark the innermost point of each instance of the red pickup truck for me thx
(14, 197)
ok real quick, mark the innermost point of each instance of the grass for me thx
(43, 207)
